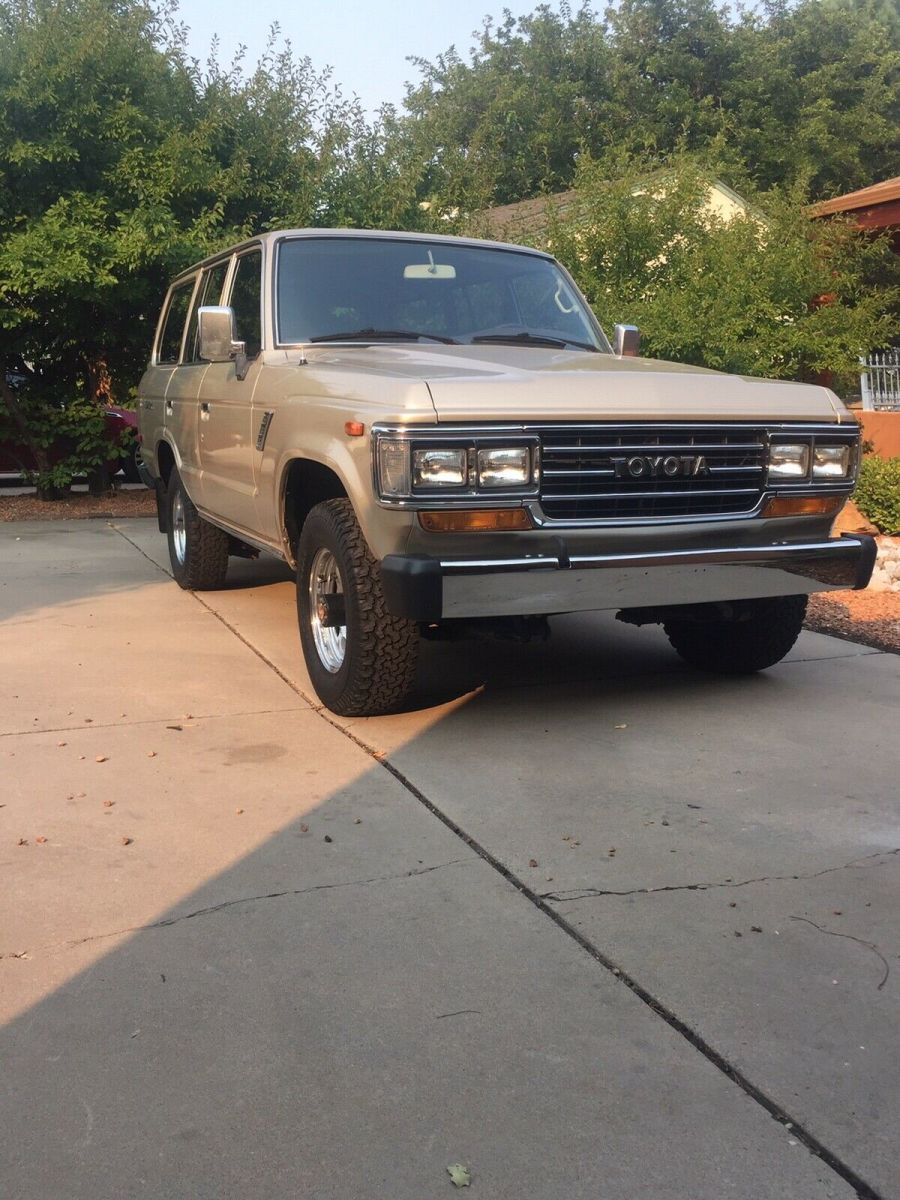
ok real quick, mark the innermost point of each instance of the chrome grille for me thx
(581, 480)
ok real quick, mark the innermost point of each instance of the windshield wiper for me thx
(373, 335)
(531, 339)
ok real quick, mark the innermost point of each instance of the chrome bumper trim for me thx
(430, 589)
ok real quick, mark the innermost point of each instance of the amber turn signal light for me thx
(803, 506)
(475, 520)
(354, 428)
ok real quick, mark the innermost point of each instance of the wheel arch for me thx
(305, 482)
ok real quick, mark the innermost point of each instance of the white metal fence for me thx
(879, 381)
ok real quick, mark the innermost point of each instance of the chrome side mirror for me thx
(217, 340)
(627, 341)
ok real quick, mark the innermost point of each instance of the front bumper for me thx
(426, 588)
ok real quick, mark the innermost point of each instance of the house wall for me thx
(882, 429)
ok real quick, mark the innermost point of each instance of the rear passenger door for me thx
(226, 446)
(169, 398)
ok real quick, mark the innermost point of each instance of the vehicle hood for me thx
(486, 383)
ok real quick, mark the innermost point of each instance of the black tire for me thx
(198, 550)
(760, 636)
(375, 669)
(129, 465)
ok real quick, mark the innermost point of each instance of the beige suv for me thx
(435, 432)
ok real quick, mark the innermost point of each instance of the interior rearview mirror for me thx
(627, 341)
(217, 340)
(429, 270)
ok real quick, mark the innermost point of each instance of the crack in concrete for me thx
(86, 728)
(209, 910)
(863, 1189)
(563, 897)
(852, 938)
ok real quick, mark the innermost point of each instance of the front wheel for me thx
(758, 636)
(361, 660)
(198, 550)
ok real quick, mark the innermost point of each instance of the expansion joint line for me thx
(864, 1190)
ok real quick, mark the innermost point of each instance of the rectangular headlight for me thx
(504, 467)
(789, 460)
(831, 462)
(440, 468)
(393, 467)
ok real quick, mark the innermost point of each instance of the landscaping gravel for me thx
(137, 502)
(870, 617)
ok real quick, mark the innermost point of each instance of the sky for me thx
(366, 43)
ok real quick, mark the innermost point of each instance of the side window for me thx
(246, 291)
(170, 338)
(209, 292)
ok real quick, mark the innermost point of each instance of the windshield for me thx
(369, 289)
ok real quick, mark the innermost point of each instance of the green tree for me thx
(509, 122)
(784, 93)
(771, 293)
(122, 161)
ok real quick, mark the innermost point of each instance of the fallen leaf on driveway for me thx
(126, 841)
(40, 840)
(62, 743)
(620, 726)
(178, 727)
(532, 862)
(108, 803)
(304, 829)
(151, 754)
(459, 1176)
(23, 842)
(101, 758)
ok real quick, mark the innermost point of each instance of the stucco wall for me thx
(882, 429)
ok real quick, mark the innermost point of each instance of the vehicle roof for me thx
(277, 235)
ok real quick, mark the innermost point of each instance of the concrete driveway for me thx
(589, 923)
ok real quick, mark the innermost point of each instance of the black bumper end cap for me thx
(413, 586)
(866, 564)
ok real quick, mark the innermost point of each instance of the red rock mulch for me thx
(872, 618)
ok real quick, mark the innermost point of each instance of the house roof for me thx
(532, 216)
(867, 197)
(526, 216)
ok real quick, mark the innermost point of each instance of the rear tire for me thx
(367, 665)
(198, 550)
(759, 637)
(129, 465)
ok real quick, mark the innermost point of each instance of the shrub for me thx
(877, 493)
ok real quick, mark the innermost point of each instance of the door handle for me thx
(204, 406)
(169, 408)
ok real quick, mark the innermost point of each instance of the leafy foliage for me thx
(806, 92)
(768, 293)
(877, 494)
(121, 162)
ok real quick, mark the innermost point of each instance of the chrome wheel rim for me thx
(179, 528)
(330, 640)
